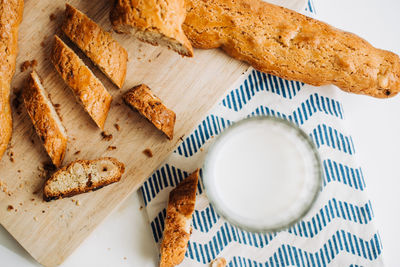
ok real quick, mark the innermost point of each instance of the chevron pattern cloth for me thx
(338, 231)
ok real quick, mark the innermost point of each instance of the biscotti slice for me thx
(282, 42)
(45, 119)
(10, 19)
(152, 21)
(89, 91)
(177, 228)
(82, 176)
(142, 99)
(97, 44)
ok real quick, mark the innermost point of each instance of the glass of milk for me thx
(262, 174)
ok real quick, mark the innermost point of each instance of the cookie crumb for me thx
(78, 203)
(52, 17)
(218, 262)
(148, 152)
(116, 125)
(106, 137)
(42, 44)
(110, 148)
(77, 152)
(35, 218)
(28, 64)
(10, 208)
(141, 207)
(43, 211)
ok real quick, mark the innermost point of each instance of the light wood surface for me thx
(191, 87)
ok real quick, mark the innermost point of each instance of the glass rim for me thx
(318, 175)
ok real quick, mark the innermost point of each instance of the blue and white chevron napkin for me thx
(337, 231)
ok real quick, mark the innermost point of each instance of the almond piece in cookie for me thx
(82, 176)
(178, 220)
(45, 119)
(146, 103)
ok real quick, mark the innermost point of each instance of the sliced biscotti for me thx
(282, 42)
(152, 21)
(97, 44)
(89, 91)
(146, 103)
(45, 119)
(177, 228)
(82, 176)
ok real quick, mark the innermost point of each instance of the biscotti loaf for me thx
(97, 44)
(45, 119)
(89, 91)
(282, 42)
(177, 228)
(152, 21)
(10, 18)
(82, 176)
(142, 99)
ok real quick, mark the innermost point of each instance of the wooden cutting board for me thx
(191, 87)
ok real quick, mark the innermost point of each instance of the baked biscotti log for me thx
(10, 18)
(152, 21)
(89, 91)
(97, 44)
(142, 99)
(45, 119)
(177, 228)
(282, 42)
(82, 176)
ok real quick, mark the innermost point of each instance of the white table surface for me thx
(124, 238)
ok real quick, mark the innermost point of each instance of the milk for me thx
(262, 174)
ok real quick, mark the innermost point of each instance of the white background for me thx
(124, 239)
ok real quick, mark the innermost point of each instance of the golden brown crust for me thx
(49, 194)
(10, 18)
(290, 45)
(153, 21)
(87, 88)
(97, 44)
(45, 119)
(142, 99)
(177, 228)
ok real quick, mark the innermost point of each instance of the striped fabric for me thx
(338, 231)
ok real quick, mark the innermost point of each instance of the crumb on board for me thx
(148, 152)
(43, 211)
(32, 199)
(111, 148)
(77, 152)
(52, 17)
(4, 188)
(78, 203)
(116, 125)
(20, 203)
(106, 137)
(141, 207)
(19, 171)
(35, 219)
(10, 208)
(42, 44)
(28, 64)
